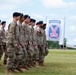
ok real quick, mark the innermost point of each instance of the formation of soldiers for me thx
(24, 45)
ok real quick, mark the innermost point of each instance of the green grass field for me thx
(58, 62)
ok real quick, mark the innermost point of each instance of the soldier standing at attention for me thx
(45, 41)
(12, 42)
(3, 41)
(27, 31)
(39, 32)
(34, 42)
(45, 47)
(22, 41)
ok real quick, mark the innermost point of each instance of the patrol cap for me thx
(3, 22)
(26, 16)
(40, 22)
(32, 20)
(16, 14)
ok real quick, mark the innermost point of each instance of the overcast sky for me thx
(40, 9)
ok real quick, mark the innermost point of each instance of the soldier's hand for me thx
(46, 51)
(16, 45)
(25, 44)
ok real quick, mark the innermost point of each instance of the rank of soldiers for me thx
(24, 44)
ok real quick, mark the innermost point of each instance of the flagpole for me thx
(64, 33)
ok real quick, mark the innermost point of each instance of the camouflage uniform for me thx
(29, 46)
(15, 54)
(2, 42)
(45, 43)
(39, 32)
(34, 42)
(22, 41)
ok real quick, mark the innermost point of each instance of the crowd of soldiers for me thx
(24, 45)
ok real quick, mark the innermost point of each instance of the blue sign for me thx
(54, 30)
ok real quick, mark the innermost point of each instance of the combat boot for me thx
(29, 66)
(41, 63)
(19, 69)
(32, 64)
(10, 71)
(26, 67)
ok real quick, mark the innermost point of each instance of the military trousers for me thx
(1, 51)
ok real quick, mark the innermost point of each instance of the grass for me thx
(58, 62)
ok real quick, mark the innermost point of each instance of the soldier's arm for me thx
(12, 34)
(24, 28)
(1, 36)
(34, 38)
(0, 33)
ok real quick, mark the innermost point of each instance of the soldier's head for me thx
(32, 22)
(21, 17)
(16, 15)
(3, 23)
(40, 23)
(27, 18)
(44, 26)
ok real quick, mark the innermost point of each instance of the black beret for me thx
(16, 14)
(40, 22)
(26, 16)
(3, 22)
(44, 24)
(21, 15)
(37, 23)
(32, 20)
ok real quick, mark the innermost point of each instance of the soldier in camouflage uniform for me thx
(45, 42)
(45, 47)
(13, 47)
(29, 46)
(34, 42)
(39, 32)
(3, 41)
(22, 41)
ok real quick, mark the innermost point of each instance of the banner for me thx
(53, 30)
